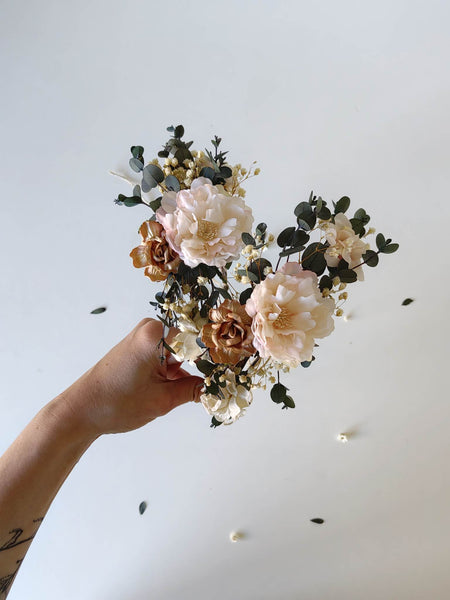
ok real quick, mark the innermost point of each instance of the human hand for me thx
(130, 386)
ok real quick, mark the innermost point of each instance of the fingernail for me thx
(198, 391)
(171, 360)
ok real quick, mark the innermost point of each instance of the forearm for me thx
(31, 472)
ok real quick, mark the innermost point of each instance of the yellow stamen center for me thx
(207, 231)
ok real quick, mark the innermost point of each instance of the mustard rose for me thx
(344, 243)
(155, 254)
(203, 224)
(228, 336)
(289, 313)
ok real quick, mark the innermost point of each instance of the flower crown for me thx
(243, 323)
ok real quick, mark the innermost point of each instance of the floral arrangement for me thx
(241, 319)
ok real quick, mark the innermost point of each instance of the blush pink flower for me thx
(289, 314)
(344, 243)
(203, 224)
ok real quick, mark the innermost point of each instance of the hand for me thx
(130, 387)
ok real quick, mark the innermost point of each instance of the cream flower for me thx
(289, 313)
(204, 225)
(184, 344)
(344, 243)
(236, 398)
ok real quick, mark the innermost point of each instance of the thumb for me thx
(186, 389)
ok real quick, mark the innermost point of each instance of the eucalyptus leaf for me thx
(245, 295)
(155, 204)
(324, 213)
(205, 367)
(136, 164)
(380, 241)
(284, 238)
(248, 239)
(179, 131)
(342, 205)
(390, 248)
(313, 258)
(348, 276)
(278, 393)
(142, 507)
(137, 151)
(407, 301)
(172, 183)
(98, 311)
(152, 175)
(370, 258)
(289, 402)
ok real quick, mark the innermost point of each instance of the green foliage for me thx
(248, 239)
(256, 268)
(98, 311)
(407, 301)
(155, 204)
(172, 183)
(347, 275)
(205, 367)
(371, 258)
(313, 258)
(142, 507)
(152, 175)
(136, 164)
(245, 295)
(128, 200)
(341, 205)
(215, 423)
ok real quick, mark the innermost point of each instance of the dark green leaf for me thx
(137, 191)
(261, 228)
(357, 226)
(137, 151)
(304, 208)
(324, 213)
(325, 282)
(155, 204)
(98, 311)
(215, 423)
(172, 183)
(128, 200)
(212, 300)
(226, 172)
(306, 363)
(318, 521)
(303, 224)
(289, 251)
(289, 402)
(407, 301)
(313, 258)
(136, 165)
(245, 295)
(278, 393)
(342, 205)
(179, 131)
(248, 239)
(142, 507)
(390, 248)
(224, 293)
(163, 153)
(257, 267)
(205, 367)
(284, 239)
(361, 215)
(370, 258)
(299, 238)
(380, 241)
(182, 154)
(208, 172)
(347, 276)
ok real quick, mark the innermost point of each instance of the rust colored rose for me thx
(154, 253)
(228, 336)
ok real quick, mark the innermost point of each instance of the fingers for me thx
(185, 389)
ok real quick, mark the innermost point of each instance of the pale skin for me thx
(125, 390)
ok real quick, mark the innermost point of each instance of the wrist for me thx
(69, 413)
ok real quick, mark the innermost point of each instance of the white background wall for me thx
(345, 98)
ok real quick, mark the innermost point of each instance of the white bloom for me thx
(344, 243)
(204, 225)
(236, 398)
(185, 346)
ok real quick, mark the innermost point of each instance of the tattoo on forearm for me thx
(15, 540)
(6, 581)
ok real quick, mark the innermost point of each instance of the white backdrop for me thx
(345, 98)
